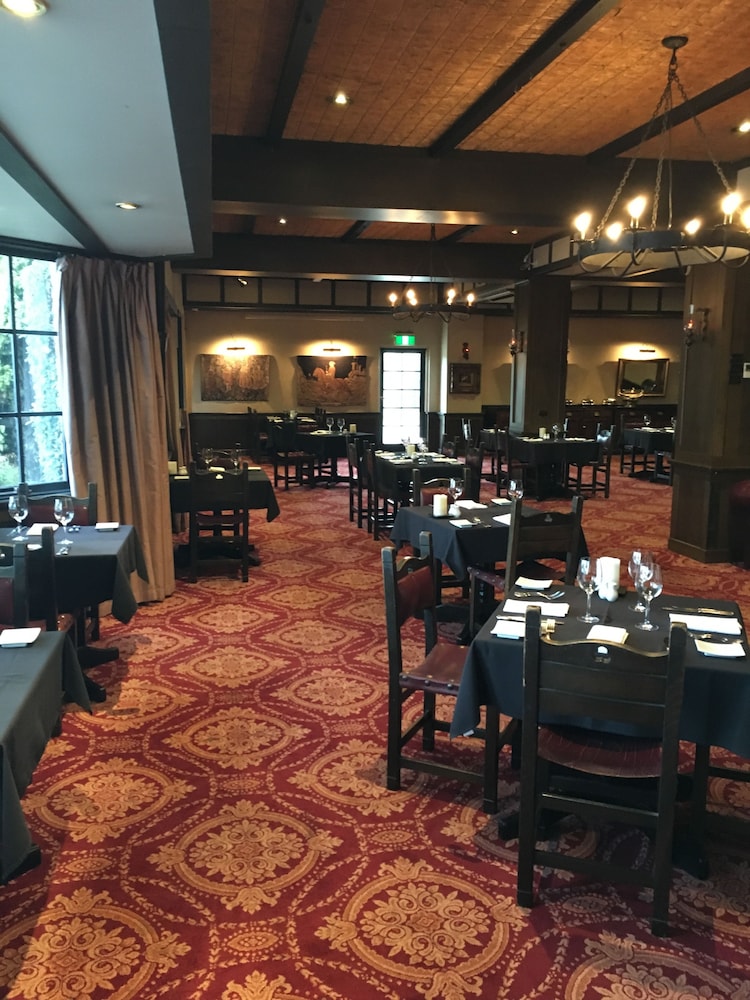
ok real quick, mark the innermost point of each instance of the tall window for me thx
(32, 446)
(402, 395)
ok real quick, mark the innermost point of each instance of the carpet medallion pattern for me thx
(219, 828)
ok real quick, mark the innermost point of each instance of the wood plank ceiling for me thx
(496, 120)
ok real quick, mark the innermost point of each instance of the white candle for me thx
(440, 505)
(352, 428)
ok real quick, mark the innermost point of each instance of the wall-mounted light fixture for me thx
(696, 326)
(646, 350)
(516, 343)
(332, 348)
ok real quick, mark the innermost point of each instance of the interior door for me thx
(402, 389)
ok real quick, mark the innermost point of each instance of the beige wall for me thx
(595, 344)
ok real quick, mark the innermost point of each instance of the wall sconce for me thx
(696, 327)
(465, 350)
(332, 349)
(516, 343)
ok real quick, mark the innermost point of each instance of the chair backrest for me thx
(474, 461)
(423, 493)
(468, 432)
(40, 580)
(448, 447)
(223, 490)
(410, 590)
(605, 437)
(85, 509)
(544, 535)
(354, 458)
(605, 682)
(14, 610)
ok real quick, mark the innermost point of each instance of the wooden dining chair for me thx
(383, 499)
(598, 775)
(357, 490)
(556, 537)
(287, 454)
(219, 516)
(593, 477)
(410, 590)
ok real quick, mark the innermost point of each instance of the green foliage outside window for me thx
(32, 445)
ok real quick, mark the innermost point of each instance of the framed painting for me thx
(465, 379)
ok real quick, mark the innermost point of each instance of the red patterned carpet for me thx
(219, 827)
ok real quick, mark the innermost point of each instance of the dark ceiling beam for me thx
(710, 98)
(25, 174)
(372, 260)
(184, 30)
(574, 23)
(355, 231)
(302, 36)
(458, 234)
(396, 184)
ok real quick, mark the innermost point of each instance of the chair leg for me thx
(491, 751)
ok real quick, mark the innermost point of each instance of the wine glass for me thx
(515, 489)
(649, 585)
(18, 508)
(587, 580)
(457, 490)
(341, 423)
(638, 558)
(329, 422)
(646, 420)
(64, 514)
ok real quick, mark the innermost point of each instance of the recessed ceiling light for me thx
(127, 206)
(25, 8)
(282, 220)
(340, 98)
(743, 126)
(514, 232)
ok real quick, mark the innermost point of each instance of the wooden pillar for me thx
(712, 440)
(538, 373)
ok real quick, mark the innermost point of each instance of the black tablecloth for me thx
(395, 473)
(482, 544)
(96, 569)
(716, 704)
(649, 440)
(260, 491)
(32, 682)
(550, 457)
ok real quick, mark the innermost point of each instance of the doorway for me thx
(402, 395)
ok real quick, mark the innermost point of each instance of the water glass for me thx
(18, 508)
(515, 489)
(587, 579)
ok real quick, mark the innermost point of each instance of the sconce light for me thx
(332, 349)
(696, 327)
(465, 350)
(516, 343)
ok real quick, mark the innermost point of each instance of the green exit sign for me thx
(403, 339)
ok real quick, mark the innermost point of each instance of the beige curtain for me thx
(114, 405)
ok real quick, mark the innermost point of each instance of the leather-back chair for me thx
(593, 773)
(287, 454)
(590, 478)
(410, 590)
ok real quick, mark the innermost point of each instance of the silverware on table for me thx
(695, 611)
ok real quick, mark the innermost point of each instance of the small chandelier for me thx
(629, 247)
(407, 305)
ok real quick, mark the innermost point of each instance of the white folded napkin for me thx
(551, 608)
(608, 633)
(502, 518)
(727, 649)
(508, 629)
(708, 623)
(461, 522)
(526, 583)
(36, 529)
(19, 636)
(107, 525)
(501, 501)
(471, 505)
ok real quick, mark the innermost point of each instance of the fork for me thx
(530, 594)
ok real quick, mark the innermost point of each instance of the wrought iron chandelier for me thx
(406, 305)
(628, 247)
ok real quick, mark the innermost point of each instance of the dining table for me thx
(648, 441)
(548, 459)
(395, 469)
(93, 565)
(34, 681)
(329, 447)
(716, 698)
(261, 494)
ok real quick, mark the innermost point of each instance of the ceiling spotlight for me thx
(743, 127)
(127, 206)
(282, 220)
(514, 232)
(25, 8)
(340, 98)
(242, 281)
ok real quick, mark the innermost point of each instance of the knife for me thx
(697, 611)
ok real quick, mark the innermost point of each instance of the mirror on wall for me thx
(636, 378)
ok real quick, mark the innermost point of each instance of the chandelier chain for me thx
(704, 137)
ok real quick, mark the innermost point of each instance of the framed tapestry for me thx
(331, 382)
(465, 379)
(235, 380)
